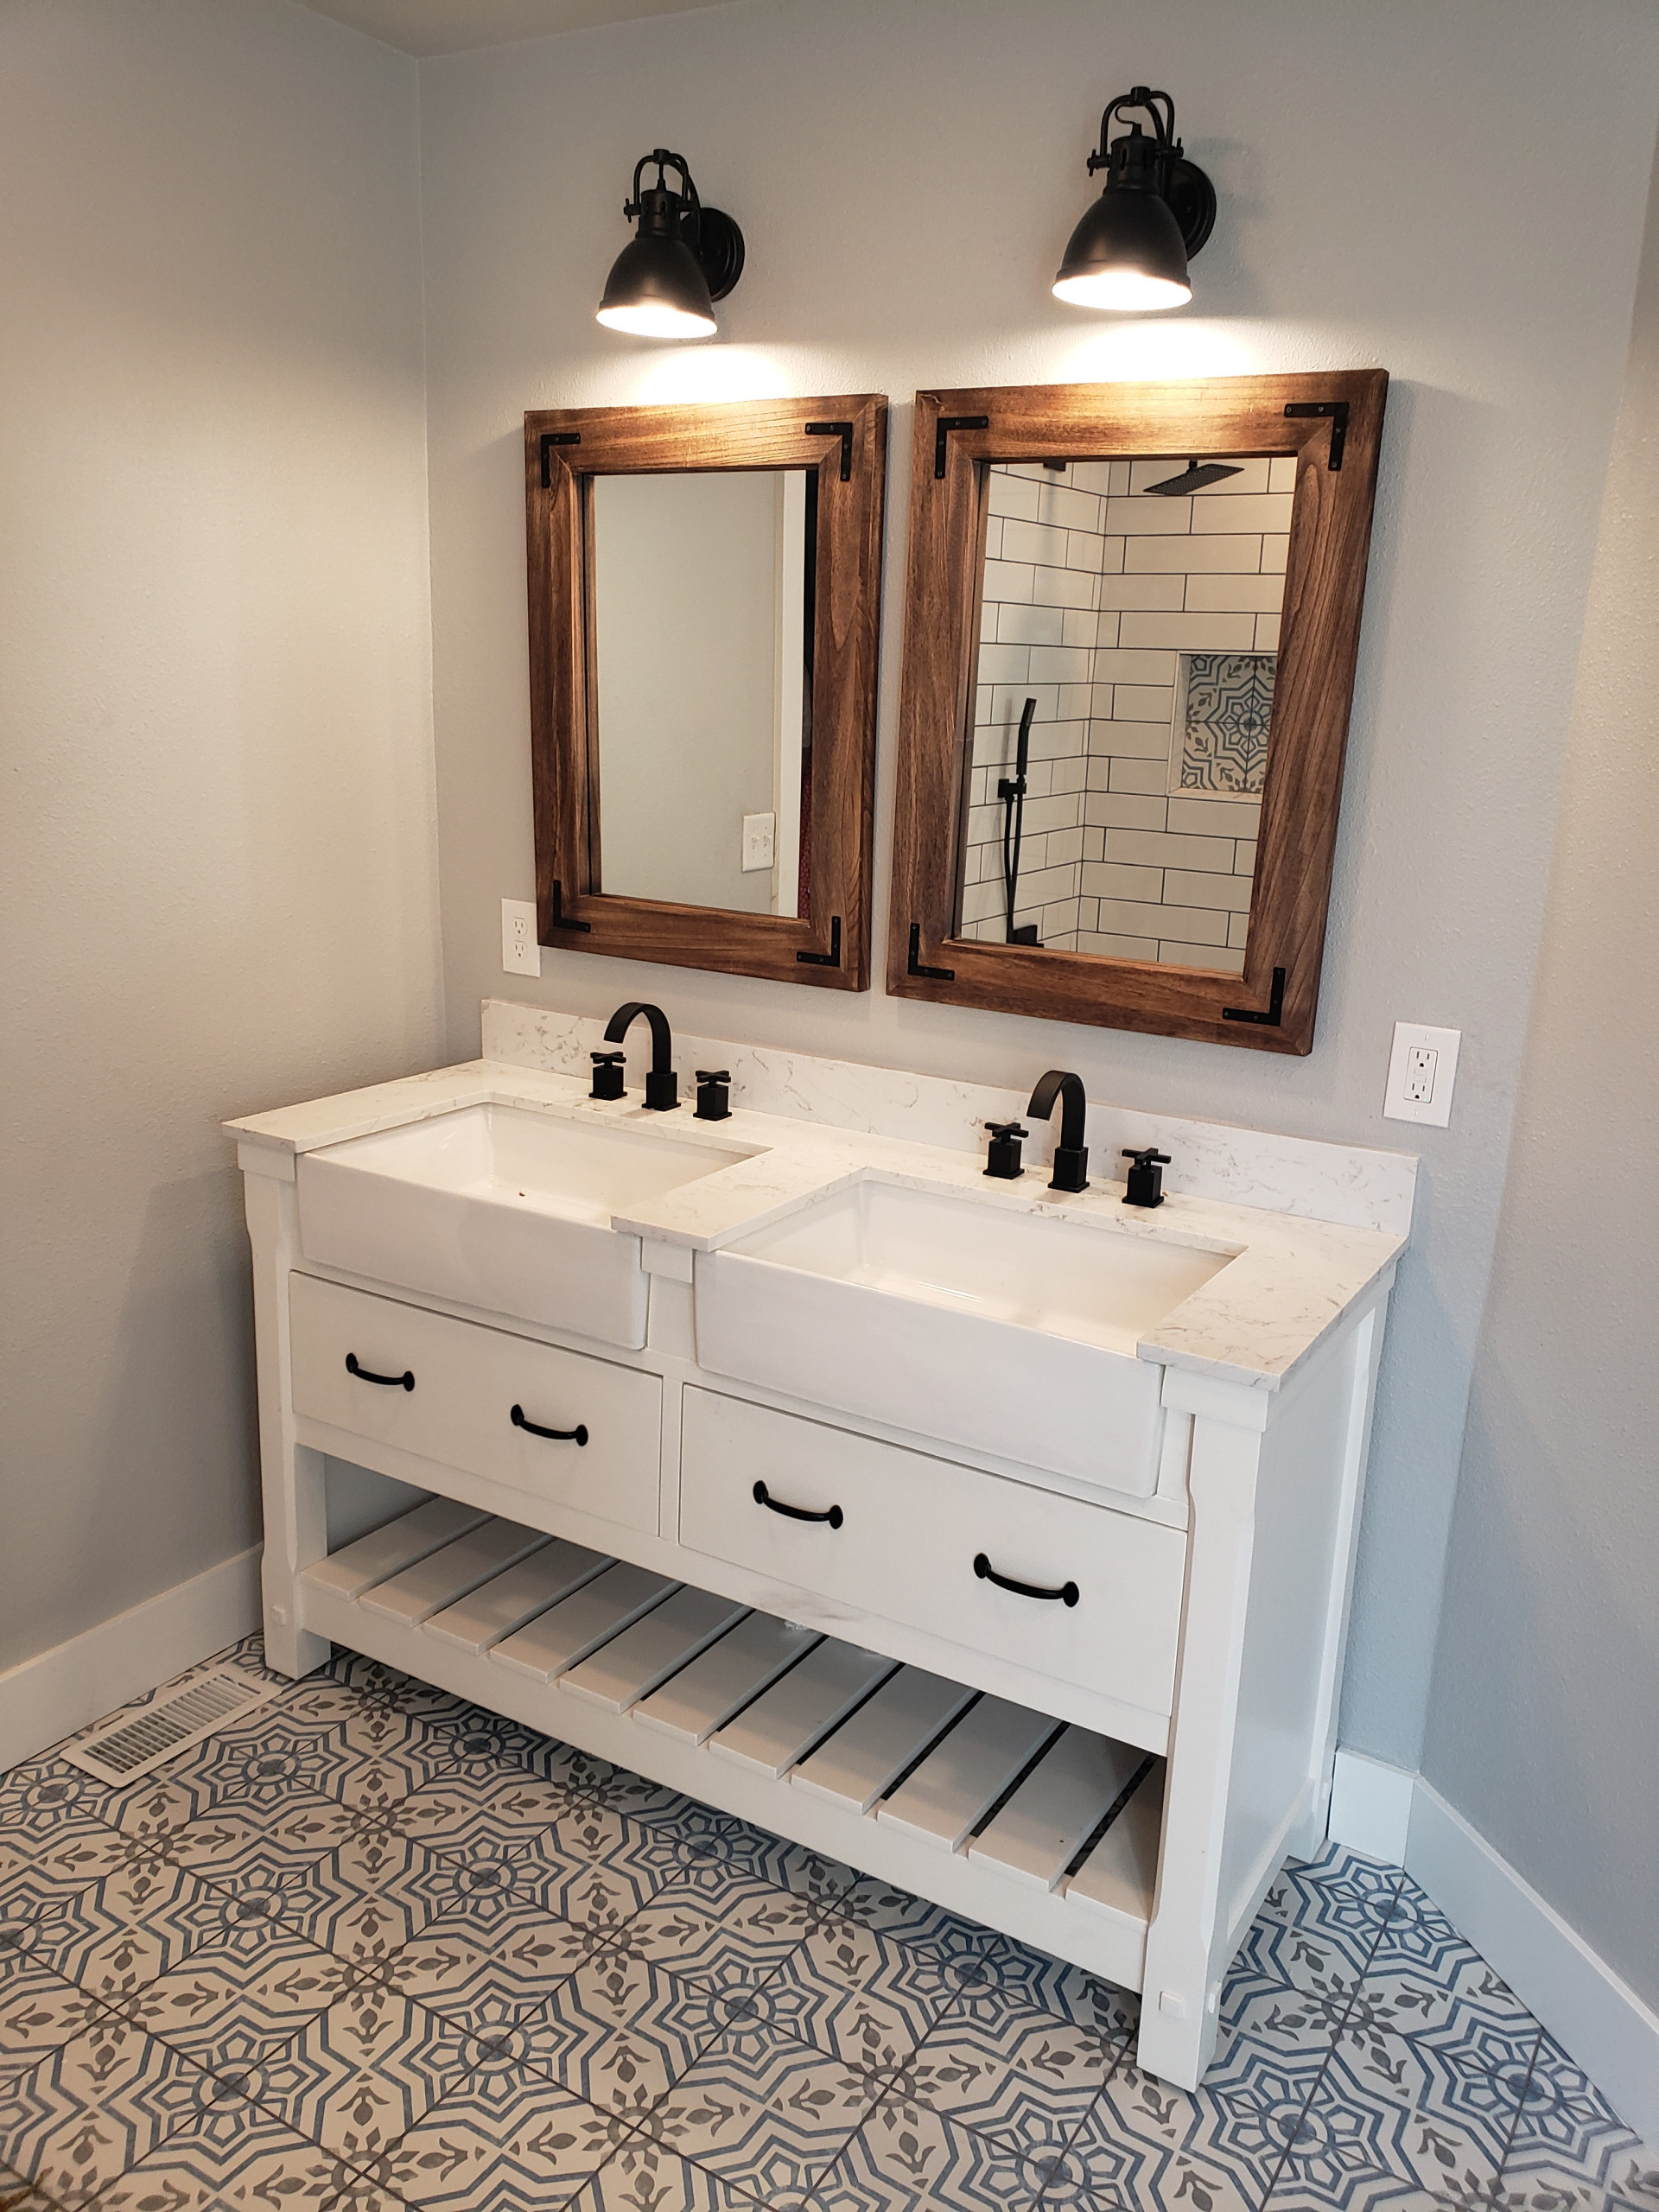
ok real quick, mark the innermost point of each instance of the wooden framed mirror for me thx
(705, 600)
(1132, 618)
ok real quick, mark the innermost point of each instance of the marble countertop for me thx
(1289, 1282)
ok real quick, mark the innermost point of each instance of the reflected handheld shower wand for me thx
(1011, 790)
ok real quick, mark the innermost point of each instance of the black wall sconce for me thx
(684, 257)
(1131, 250)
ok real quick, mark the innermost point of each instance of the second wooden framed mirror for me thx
(704, 597)
(1132, 621)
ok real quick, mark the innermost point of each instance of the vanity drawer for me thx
(909, 1530)
(466, 1382)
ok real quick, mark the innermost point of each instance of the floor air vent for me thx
(136, 1742)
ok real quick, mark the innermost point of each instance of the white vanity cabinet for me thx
(1096, 1718)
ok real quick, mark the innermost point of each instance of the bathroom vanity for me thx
(995, 1540)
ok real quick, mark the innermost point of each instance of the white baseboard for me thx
(1591, 2012)
(1371, 1807)
(46, 1698)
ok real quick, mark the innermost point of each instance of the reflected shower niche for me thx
(1129, 634)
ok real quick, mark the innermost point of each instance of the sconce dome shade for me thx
(1126, 253)
(656, 290)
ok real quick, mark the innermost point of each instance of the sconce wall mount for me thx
(1156, 210)
(683, 258)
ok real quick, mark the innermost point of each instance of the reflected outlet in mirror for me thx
(1128, 635)
(703, 583)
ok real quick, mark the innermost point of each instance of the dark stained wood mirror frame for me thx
(845, 439)
(1332, 425)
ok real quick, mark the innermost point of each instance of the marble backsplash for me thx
(1347, 1184)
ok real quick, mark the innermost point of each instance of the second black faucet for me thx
(662, 1084)
(1071, 1156)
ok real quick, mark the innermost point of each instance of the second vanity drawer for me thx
(906, 1534)
(466, 1382)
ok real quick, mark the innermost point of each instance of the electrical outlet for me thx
(759, 841)
(1422, 1068)
(520, 954)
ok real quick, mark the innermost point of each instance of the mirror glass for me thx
(1130, 624)
(701, 671)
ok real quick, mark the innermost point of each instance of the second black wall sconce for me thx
(684, 257)
(1130, 250)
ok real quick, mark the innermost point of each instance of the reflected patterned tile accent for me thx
(375, 1949)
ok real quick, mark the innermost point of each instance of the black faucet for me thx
(1070, 1155)
(662, 1084)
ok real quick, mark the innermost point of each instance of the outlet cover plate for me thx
(1422, 1069)
(520, 954)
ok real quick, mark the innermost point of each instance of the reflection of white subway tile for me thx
(1059, 919)
(1120, 479)
(981, 900)
(1281, 473)
(1185, 886)
(1223, 594)
(992, 537)
(1172, 955)
(1135, 668)
(1108, 947)
(1253, 476)
(1030, 541)
(1058, 813)
(1056, 740)
(1108, 880)
(1041, 887)
(1125, 810)
(1092, 476)
(1004, 664)
(1153, 517)
(1011, 495)
(1214, 817)
(1080, 626)
(1071, 774)
(1165, 591)
(1065, 845)
(1008, 701)
(1071, 509)
(1130, 775)
(1238, 929)
(1075, 701)
(1058, 664)
(1273, 552)
(1084, 548)
(1159, 848)
(1132, 917)
(1139, 724)
(1028, 625)
(1244, 861)
(1193, 633)
(987, 617)
(1271, 511)
(1064, 588)
(1111, 555)
(1266, 634)
(1094, 844)
(1145, 556)
(1008, 579)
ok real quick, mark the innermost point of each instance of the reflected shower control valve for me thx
(1145, 1187)
(607, 1075)
(1003, 1162)
(714, 1094)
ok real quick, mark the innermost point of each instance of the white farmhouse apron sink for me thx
(1011, 1334)
(500, 1208)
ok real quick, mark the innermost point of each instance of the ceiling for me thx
(425, 27)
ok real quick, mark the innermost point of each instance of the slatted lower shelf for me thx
(1047, 1831)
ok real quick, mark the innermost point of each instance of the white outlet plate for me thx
(520, 954)
(1422, 1069)
(760, 842)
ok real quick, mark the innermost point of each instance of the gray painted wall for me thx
(848, 137)
(1543, 1725)
(216, 846)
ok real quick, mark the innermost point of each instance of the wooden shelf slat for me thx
(868, 1754)
(632, 1665)
(1052, 1815)
(563, 1637)
(728, 1676)
(496, 1608)
(442, 1577)
(385, 1551)
(967, 1771)
(781, 1727)
(1120, 1873)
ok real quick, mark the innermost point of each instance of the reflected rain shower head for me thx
(1197, 476)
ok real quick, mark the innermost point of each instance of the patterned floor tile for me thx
(89, 2111)
(516, 2145)
(360, 2075)
(42, 1797)
(1534, 2182)
(969, 1956)
(1563, 2116)
(502, 1810)
(237, 1844)
(616, 1866)
(733, 1936)
(39, 2012)
(1287, 1986)
(267, 2165)
(855, 1994)
(1360, 2147)
(772, 2120)
(261, 1999)
(644, 2177)
(496, 1970)
(1339, 1900)
(906, 2157)
(620, 2032)
(1019, 2076)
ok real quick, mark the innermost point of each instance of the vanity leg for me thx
(1186, 1939)
(291, 1474)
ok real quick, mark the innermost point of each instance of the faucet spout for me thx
(662, 1085)
(1071, 1155)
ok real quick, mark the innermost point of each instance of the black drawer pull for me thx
(404, 1382)
(832, 1514)
(1067, 1593)
(576, 1435)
